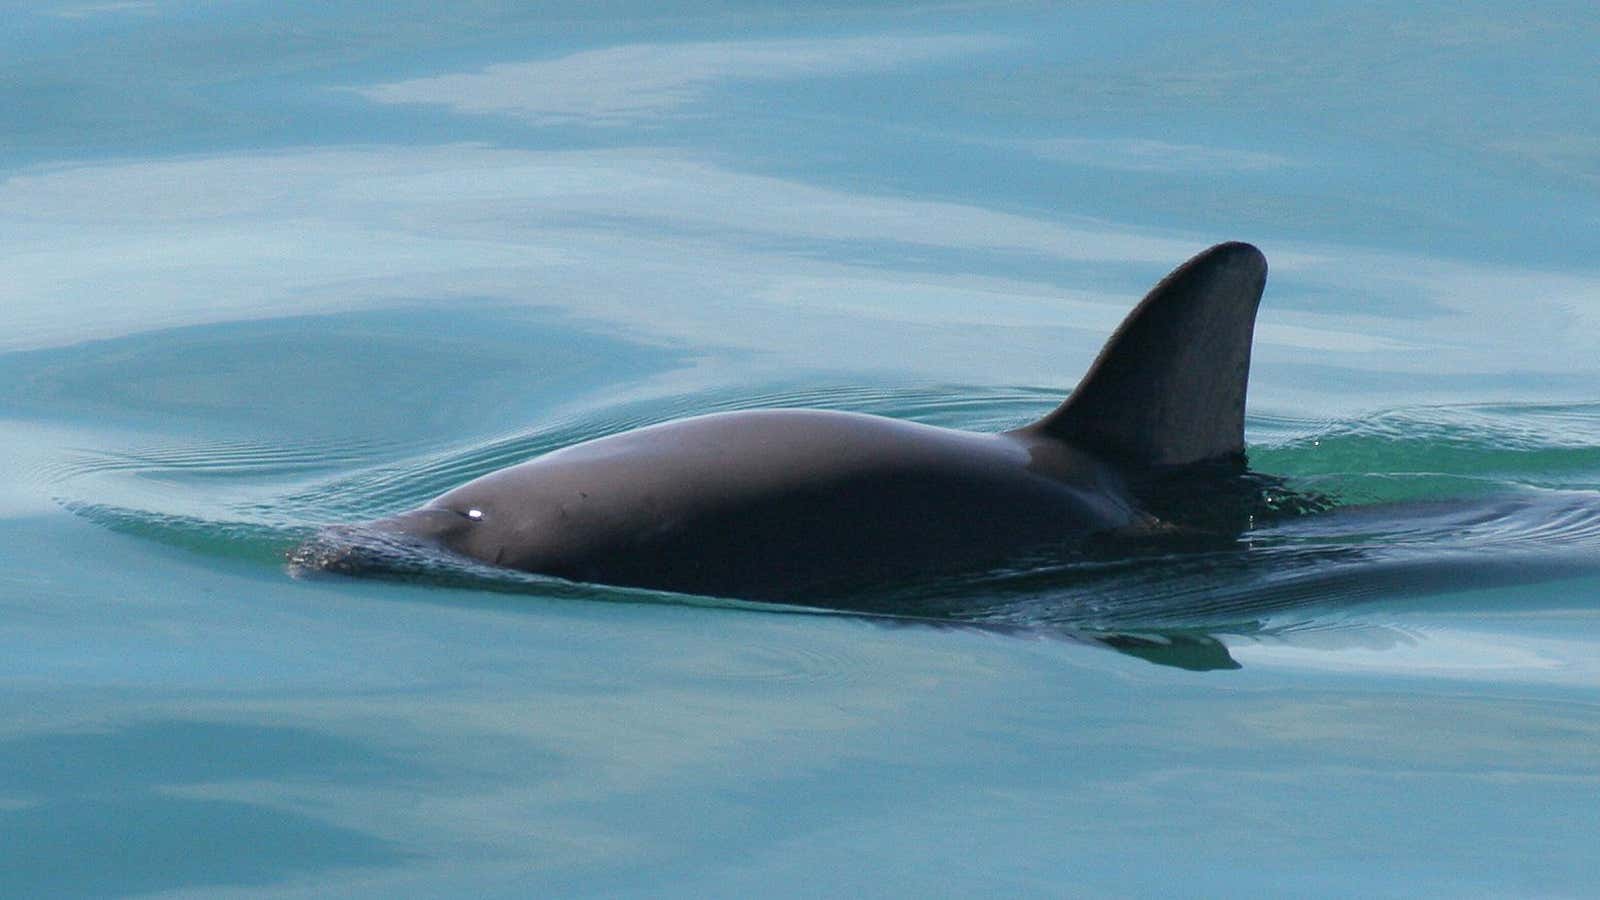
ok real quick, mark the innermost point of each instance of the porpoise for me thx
(792, 504)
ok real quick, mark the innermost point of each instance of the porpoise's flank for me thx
(786, 504)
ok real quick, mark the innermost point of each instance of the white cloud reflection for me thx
(684, 250)
(91, 10)
(1144, 155)
(622, 85)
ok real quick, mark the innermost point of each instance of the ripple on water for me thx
(1538, 445)
(219, 459)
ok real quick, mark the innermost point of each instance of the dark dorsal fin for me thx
(1168, 388)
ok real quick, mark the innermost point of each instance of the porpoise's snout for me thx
(395, 543)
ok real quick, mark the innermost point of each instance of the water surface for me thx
(270, 266)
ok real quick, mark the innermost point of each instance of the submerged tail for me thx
(1168, 388)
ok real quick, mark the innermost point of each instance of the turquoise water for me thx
(265, 267)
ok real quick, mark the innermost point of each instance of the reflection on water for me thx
(268, 266)
(331, 389)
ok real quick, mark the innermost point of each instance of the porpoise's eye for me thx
(474, 514)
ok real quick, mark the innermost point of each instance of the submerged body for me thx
(793, 504)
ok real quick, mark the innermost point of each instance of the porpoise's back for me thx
(783, 504)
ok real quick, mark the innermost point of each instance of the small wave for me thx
(206, 536)
(214, 459)
(1537, 445)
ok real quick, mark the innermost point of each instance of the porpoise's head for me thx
(456, 523)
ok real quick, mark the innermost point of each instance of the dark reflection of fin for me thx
(1195, 651)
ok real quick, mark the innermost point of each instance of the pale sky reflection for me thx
(659, 241)
(625, 85)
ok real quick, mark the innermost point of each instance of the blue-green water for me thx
(269, 266)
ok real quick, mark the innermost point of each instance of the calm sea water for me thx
(269, 266)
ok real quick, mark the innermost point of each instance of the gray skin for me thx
(790, 504)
